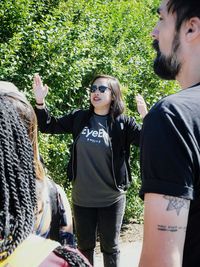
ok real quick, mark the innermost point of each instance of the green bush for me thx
(68, 42)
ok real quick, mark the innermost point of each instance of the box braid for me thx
(72, 257)
(17, 180)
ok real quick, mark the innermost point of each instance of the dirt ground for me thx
(131, 232)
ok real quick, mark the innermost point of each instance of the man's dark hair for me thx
(184, 9)
(17, 180)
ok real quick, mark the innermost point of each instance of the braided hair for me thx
(17, 180)
(72, 257)
(28, 116)
(18, 151)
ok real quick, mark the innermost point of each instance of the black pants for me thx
(108, 220)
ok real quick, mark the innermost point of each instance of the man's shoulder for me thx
(168, 104)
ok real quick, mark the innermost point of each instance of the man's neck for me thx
(190, 71)
(187, 80)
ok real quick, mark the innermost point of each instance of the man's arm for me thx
(165, 222)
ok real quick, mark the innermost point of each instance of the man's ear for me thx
(192, 29)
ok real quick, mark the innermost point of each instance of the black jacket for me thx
(123, 132)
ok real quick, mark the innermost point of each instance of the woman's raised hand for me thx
(141, 105)
(40, 90)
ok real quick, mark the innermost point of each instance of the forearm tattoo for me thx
(177, 204)
(174, 203)
(170, 228)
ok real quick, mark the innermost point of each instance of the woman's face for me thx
(101, 96)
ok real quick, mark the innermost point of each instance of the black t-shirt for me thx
(170, 158)
(94, 185)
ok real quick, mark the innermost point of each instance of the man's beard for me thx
(167, 67)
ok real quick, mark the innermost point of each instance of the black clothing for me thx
(170, 158)
(58, 217)
(95, 138)
(108, 220)
(123, 132)
(94, 161)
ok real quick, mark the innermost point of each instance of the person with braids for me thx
(54, 219)
(18, 198)
(99, 165)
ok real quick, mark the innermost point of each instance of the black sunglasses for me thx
(101, 88)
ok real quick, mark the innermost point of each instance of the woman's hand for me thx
(40, 90)
(141, 106)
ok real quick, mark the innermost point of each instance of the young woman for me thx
(99, 165)
(19, 206)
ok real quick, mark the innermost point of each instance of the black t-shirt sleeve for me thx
(166, 157)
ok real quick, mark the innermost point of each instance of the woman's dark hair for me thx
(17, 180)
(184, 9)
(117, 104)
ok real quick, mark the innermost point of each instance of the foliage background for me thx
(68, 42)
